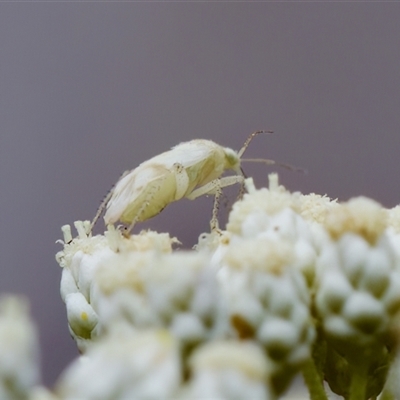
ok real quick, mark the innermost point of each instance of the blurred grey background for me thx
(89, 90)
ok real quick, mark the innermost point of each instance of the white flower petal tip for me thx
(82, 318)
(83, 228)
(67, 234)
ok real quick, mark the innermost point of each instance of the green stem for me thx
(313, 381)
(387, 395)
(358, 383)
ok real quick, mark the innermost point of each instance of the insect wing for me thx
(131, 190)
(187, 154)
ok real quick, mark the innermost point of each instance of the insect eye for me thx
(232, 159)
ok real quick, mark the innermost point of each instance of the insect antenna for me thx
(273, 162)
(264, 160)
(249, 139)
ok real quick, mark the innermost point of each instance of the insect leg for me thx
(127, 231)
(150, 195)
(214, 219)
(106, 199)
(213, 186)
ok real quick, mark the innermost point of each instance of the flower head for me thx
(19, 349)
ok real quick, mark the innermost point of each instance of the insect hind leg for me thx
(214, 226)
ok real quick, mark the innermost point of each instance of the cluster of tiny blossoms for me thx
(295, 284)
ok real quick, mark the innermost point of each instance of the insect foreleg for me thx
(106, 199)
(213, 186)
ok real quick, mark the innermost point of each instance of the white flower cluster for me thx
(358, 289)
(358, 293)
(19, 349)
(139, 288)
(263, 278)
(296, 283)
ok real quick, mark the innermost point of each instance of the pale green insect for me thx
(188, 170)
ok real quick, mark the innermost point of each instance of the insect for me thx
(189, 170)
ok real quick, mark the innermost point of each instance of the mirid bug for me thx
(188, 170)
